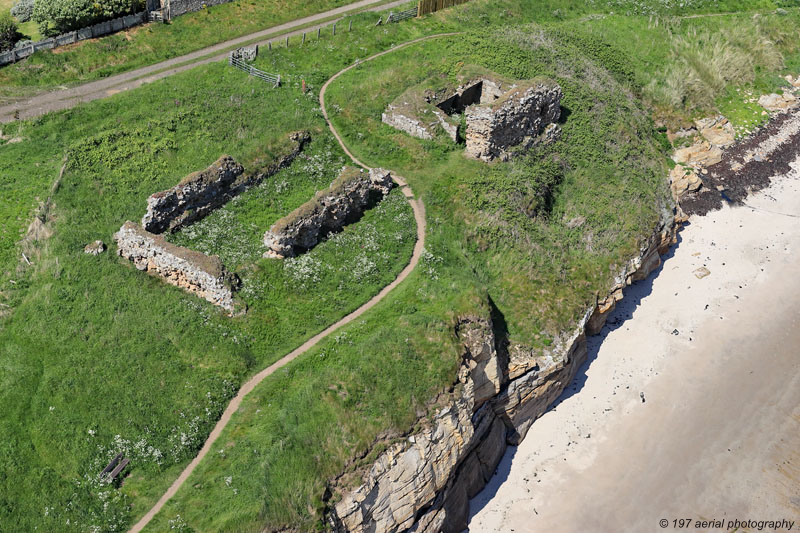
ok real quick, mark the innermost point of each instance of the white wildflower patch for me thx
(303, 270)
(428, 263)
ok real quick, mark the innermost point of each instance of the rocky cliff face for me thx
(424, 483)
(524, 116)
(200, 193)
(190, 270)
(330, 210)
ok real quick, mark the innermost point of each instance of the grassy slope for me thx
(95, 349)
(329, 406)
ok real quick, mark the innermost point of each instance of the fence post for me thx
(318, 32)
(287, 41)
(334, 28)
(269, 46)
(304, 38)
(350, 26)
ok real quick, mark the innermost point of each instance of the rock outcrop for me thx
(778, 103)
(523, 116)
(424, 483)
(200, 193)
(330, 210)
(192, 271)
(95, 248)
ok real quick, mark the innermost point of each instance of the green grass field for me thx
(147, 44)
(98, 357)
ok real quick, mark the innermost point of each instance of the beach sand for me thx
(717, 362)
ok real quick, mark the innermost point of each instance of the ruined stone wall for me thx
(342, 203)
(523, 116)
(396, 118)
(198, 194)
(190, 270)
(193, 198)
(424, 483)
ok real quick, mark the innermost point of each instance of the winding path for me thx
(419, 216)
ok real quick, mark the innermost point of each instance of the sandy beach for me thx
(689, 404)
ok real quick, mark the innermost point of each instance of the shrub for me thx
(22, 10)
(60, 16)
(9, 34)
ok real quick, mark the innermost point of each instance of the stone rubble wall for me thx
(330, 210)
(520, 118)
(424, 483)
(395, 118)
(200, 193)
(192, 271)
(176, 8)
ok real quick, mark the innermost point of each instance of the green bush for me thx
(22, 10)
(60, 16)
(9, 35)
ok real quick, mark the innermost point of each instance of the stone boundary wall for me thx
(518, 118)
(330, 210)
(200, 193)
(193, 271)
(176, 8)
(424, 483)
(90, 32)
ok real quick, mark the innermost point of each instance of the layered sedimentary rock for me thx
(201, 192)
(330, 210)
(192, 271)
(523, 116)
(424, 483)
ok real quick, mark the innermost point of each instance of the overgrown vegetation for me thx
(99, 358)
(60, 16)
(9, 33)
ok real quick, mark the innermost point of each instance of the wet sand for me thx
(717, 361)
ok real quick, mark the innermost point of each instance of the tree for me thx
(9, 34)
(60, 16)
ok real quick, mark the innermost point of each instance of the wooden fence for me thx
(429, 6)
(103, 28)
